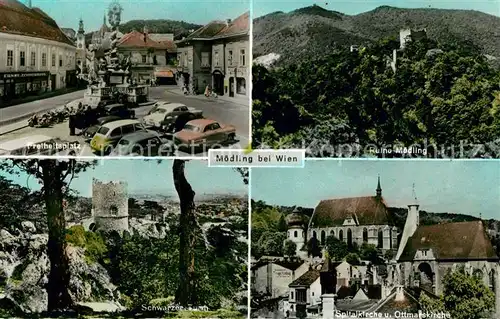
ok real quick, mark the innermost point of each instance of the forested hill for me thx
(178, 28)
(314, 31)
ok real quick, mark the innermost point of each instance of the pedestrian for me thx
(207, 91)
(72, 125)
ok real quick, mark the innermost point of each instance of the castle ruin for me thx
(109, 206)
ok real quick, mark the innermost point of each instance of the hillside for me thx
(315, 31)
(178, 28)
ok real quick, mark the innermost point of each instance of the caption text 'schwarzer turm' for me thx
(367, 79)
(122, 238)
(376, 239)
(123, 78)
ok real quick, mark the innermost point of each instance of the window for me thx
(127, 129)
(241, 86)
(22, 60)
(10, 57)
(215, 126)
(60, 61)
(230, 58)
(216, 58)
(33, 59)
(144, 59)
(242, 58)
(113, 210)
(301, 295)
(116, 132)
(44, 59)
(205, 59)
(53, 59)
(295, 234)
(291, 294)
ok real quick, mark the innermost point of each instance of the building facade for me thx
(355, 220)
(273, 277)
(151, 60)
(217, 55)
(36, 56)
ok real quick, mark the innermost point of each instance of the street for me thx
(224, 111)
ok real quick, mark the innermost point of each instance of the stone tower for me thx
(110, 206)
(296, 232)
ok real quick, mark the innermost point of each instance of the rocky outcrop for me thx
(24, 269)
(147, 228)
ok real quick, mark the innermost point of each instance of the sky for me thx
(262, 7)
(67, 13)
(149, 177)
(463, 187)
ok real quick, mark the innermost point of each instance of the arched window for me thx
(349, 237)
(113, 210)
(314, 234)
(341, 235)
(492, 280)
(380, 243)
(323, 237)
(295, 234)
(390, 239)
(332, 233)
(478, 273)
(365, 235)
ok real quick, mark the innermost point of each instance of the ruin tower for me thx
(110, 206)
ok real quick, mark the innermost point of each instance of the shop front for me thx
(15, 85)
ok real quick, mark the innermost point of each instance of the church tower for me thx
(80, 47)
(379, 189)
(296, 232)
(412, 223)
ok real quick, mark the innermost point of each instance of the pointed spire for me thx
(414, 201)
(104, 19)
(379, 189)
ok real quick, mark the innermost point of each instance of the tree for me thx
(464, 297)
(282, 226)
(53, 175)
(188, 227)
(290, 248)
(352, 258)
(270, 243)
(313, 248)
(369, 252)
(337, 250)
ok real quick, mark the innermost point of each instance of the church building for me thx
(355, 220)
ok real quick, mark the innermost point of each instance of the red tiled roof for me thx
(135, 39)
(16, 18)
(240, 25)
(221, 29)
(368, 210)
(451, 241)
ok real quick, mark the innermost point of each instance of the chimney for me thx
(411, 225)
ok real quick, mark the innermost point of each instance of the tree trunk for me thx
(185, 295)
(57, 287)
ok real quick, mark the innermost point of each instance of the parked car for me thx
(165, 114)
(204, 133)
(110, 133)
(120, 110)
(89, 132)
(144, 143)
(39, 145)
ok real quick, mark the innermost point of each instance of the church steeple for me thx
(104, 19)
(379, 189)
(80, 27)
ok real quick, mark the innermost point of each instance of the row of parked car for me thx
(166, 128)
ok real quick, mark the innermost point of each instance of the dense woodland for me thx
(443, 101)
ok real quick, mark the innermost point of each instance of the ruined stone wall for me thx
(110, 205)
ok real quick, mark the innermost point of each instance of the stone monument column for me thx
(328, 305)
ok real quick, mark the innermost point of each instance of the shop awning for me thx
(164, 74)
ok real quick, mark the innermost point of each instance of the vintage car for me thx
(110, 134)
(204, 133)
(120, 110)
(144, 143)
(89, 132)
(39, 145)
(164, 115)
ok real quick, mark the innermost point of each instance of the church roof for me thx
(368, 210)
(306, 279)
(222, 29)
(16, 18)
(451, 241)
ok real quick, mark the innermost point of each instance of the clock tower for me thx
(80, 48)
